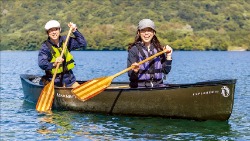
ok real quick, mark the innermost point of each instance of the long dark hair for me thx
(156, 43)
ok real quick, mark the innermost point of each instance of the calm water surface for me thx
(20, 121)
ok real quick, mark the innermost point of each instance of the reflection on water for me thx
(78, 126)
(73, 125)
(158, 128)
(55, 123)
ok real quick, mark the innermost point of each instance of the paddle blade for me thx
(91, 88)
(46, 97)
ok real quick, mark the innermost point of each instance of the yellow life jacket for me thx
(70, 63)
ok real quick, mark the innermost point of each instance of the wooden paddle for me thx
(91, 88)
(46, 97)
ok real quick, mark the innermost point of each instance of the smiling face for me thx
(54, 34)
(146, 35)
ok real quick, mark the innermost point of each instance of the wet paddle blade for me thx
(46, 97)
(92, 88)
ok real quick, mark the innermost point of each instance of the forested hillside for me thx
(112, 24)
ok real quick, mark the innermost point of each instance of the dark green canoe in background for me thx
(209, 100)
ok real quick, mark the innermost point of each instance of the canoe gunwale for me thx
(27, 78)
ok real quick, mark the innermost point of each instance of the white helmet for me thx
(52, 23)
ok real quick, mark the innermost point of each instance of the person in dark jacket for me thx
(50, 51)
(146, 44)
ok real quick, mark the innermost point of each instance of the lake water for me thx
(20, 121)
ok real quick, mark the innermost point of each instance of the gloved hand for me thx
(136, 67)
(73, 26)
(169, 52)
(58, 60)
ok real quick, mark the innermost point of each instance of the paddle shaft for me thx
(143, 61)
(46, 97)
(64, 47)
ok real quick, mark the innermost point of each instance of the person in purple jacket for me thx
(50, 51)
(146, 44)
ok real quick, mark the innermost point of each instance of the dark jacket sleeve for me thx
(44, 57)
(132, 58)
(166, 65)
(77, 42)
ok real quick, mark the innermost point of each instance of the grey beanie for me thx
(144, 23)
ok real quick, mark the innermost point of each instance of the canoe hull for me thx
(211, 100)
